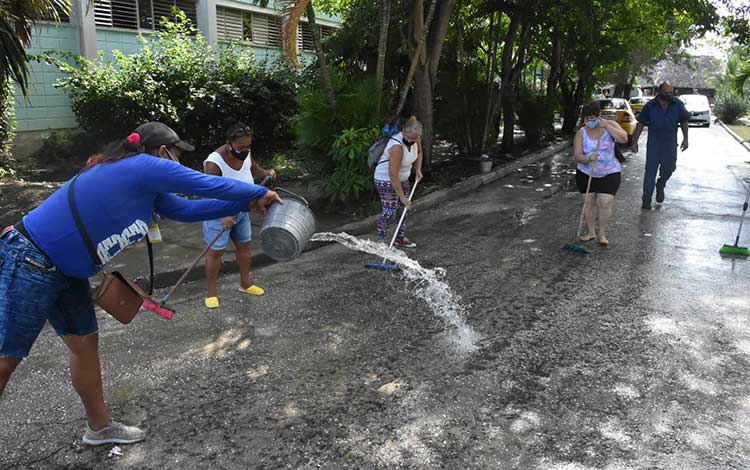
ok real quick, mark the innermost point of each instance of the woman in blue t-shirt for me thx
(45, 263)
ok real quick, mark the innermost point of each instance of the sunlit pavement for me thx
(632, 357)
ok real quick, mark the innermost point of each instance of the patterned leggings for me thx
(392, 208)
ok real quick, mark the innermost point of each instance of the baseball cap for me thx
(156, 134)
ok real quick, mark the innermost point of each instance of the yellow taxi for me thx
(637, 103)
(617, 109)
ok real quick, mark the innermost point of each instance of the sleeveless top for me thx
(607, 163)
(244, 174)
(382, 171)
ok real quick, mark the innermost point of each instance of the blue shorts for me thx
(33, 291)
(240, 232)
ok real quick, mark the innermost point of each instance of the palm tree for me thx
(292, 11)
(741, 78)
(16, 20)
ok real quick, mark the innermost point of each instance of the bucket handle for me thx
(293, 194)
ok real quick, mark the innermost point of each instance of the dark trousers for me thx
(663, 163)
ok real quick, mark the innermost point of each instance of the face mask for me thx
(592, 124)
(667, 98)
(170, 155)
(239, 155)
(408, 143)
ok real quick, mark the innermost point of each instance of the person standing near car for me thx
(663, 116)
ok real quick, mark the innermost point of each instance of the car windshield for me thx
(695, 101)
(637, 101)
(613, 104)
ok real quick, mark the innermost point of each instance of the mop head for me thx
(734, 250)
(574, 247)
(158, 309)
(382, 266)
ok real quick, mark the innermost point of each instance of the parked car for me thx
(637, 103)
(699, 109)
(617, 109)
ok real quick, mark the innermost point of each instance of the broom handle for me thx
(195, 261)
(203, 253)
(742, 220)
(588, 188)
(401, 221)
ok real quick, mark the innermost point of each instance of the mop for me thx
(159, 307)
(573, 246)
(735, 249)
(392, 267)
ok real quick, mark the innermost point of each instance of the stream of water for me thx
(428, 284)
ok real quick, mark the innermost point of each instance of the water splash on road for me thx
(428, 284)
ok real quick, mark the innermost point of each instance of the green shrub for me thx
(536, 115)
(730, 106)
(351, 175)
(178, 79)
(7, 129)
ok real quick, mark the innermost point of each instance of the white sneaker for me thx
(114, 433)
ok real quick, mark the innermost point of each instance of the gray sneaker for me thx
(114, 433)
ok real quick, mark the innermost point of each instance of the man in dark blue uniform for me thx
(662, 116)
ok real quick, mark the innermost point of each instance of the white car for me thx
(699, 109)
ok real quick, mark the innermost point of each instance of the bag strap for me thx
(386, 144)
(90, 245)
(79, 224)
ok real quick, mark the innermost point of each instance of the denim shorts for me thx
(33, 291)
(240, 232)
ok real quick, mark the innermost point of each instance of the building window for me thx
(256, 28)
(146, 14)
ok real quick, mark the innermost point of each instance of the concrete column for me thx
(83, 17)
(206, 12)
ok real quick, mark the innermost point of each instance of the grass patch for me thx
(742, 131)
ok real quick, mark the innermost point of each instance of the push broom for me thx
(736, 249)
(383, 265)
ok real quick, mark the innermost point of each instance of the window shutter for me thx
(266, 30)
(117, 13)
(305, 41)
(163, 9)
(229, 24)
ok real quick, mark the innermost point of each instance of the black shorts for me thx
(606, 185)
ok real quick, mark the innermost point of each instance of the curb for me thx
(168, 278)
(734, 135)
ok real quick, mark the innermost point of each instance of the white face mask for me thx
(170, 155)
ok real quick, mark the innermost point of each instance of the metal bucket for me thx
(287, 227)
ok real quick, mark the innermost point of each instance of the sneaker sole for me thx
(111, 440)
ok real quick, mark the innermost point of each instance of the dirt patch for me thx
(17, 198)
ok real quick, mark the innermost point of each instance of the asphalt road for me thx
(632, 357)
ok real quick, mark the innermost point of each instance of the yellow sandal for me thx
(253, 290)
(212, 302)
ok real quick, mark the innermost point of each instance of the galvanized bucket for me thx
(287, 227)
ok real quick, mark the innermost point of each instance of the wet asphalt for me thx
(632, 357)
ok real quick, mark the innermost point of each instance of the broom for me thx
(573, 246)
(383, 265)
(735, 249)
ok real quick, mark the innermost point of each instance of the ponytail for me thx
(127, 148)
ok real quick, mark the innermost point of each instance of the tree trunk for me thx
(491, 67)
(385, 17)
(507, 97)
(424, 85)
(325, 75)
(462, 88)
(555, 64)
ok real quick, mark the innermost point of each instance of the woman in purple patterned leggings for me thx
(402, 152)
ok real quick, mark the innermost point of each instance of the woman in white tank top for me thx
(402, 152)
(232, 160)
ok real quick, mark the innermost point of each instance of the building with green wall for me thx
(117, 25)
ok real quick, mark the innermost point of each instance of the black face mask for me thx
(239, 155)
(407, 143)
